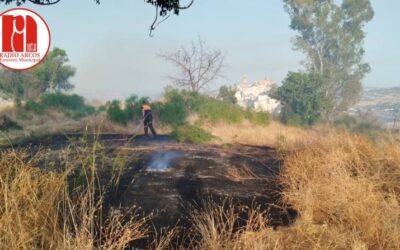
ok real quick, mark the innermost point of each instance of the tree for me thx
(14, 84)
(198, 65)
(332, 37)
(51, 75)
(227, 94)
(303, 98)
(162, 7)
(38, 2)
(54, 73)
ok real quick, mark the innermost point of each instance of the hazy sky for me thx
(114, 56)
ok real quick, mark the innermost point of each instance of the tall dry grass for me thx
(272, 135)
(230, 226)
(345, 188)
(28, 204)
(40, 209)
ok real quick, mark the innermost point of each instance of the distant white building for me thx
(256, 96)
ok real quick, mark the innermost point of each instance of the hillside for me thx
(381, 102)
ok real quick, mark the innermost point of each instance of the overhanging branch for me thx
(44, 2)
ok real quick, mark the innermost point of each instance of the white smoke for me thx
(161, 161)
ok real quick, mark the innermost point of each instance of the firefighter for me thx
(147, 119)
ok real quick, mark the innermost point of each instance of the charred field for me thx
(169, 179)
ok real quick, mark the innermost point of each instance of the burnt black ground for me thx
(201, 173)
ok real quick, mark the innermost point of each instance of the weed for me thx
(193, 134)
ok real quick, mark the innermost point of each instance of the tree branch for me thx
(41, 2)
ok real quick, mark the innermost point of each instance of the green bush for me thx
(116, 114)
(63, 101)
(291, 118)
(102, 108)
(192, 134)
(81, 112)
(131, 111)
(304, 98)
(366, 125)
(35, 107)
(133, 107)
(259, 118)
(174, 111)
(215, 111)
(71, 105)
(227, 94)
(180, 103)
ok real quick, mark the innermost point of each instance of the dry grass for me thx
(346, 189)
(5, 105)
(223, 227)
(247, 133)
(40, 210)
(28, 205)
(239, 174)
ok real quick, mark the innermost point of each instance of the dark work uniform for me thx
(148, 120)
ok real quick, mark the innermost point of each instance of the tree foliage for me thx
(14, 84)
(332, 38)
(71, 105)
(198, 65)
(39, 2)
(303, 98)
(54, 73)
(165, 6)
(51, 75)
(174, 110)
(227, 94)
(162, 7)
(130, 111)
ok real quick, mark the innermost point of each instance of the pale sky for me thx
(114, 56)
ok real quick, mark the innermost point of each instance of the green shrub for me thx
(304, 98)
(133, 107)
(208, 108)
(35, 107)
(291, 118)
(174, 111)
(102, 108)
(227, 94)
(116, 114)
(63, 101)
(259, 118)
(132, 110)
(214, 111)
(192, 134)
(83, 112)
(365, 124)
(180, 103)
(71, 105)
